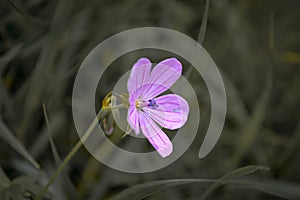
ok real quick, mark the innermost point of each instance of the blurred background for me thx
(255, 44)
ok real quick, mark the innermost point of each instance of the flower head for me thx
(147, 109)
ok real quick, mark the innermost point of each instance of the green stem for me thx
(114, 107)
(69, 156)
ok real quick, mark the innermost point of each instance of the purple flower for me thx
(147, 111)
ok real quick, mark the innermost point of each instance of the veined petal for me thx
(133, 119)
(140, 74)
(157, 138)
(171, 113)
(162, 77)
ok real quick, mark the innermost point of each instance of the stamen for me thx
(140, 103)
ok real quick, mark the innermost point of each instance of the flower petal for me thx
(157, 138)
(171, 113)
(140, 74)
(133, 119)
(162, 77)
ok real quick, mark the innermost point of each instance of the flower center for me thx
(150, 103)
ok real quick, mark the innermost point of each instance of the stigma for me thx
(142, 103)
(152, 103)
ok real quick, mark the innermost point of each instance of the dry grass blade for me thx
(67, 184)
(4, 180)
(24, 13)
(147, 189)
(69, 156)
(9, 56)
(252, 128)
(233, 175)
(9, 137)
(201, 34)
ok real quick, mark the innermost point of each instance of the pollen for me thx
(140, 103)
(137, 104)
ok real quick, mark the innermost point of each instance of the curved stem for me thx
(69, 156)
